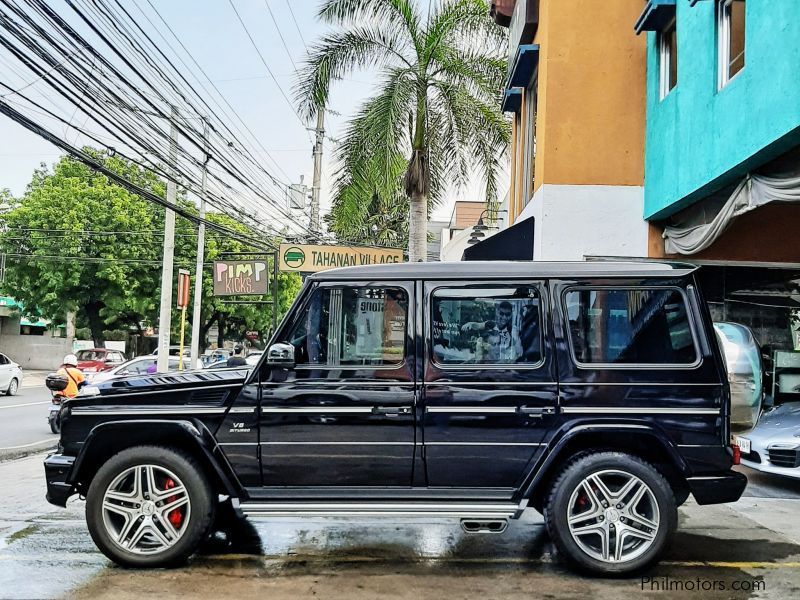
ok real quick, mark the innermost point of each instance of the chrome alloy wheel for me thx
(146, 509)
(613, 516)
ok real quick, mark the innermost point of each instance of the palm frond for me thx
(343, 12)
(339, 54)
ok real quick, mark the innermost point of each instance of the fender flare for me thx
(190, 430)
(562, 438)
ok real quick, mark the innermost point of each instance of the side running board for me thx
(483, 511)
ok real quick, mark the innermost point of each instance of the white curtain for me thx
(692, 235)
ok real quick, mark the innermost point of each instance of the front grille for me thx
(752, 456)
(784, 457)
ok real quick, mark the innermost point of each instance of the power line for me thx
(263, 60)
(294, 19)
(280, 34)
(87, 80)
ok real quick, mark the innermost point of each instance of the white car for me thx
(142, 365)
(10, 376)
(253, 358)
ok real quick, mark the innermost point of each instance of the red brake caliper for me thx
(176, 516)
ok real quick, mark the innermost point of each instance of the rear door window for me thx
(486, 326)
(630, 326)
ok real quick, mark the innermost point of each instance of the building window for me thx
(668, 59)
(529, 144)
(730, 38)
(630, 326)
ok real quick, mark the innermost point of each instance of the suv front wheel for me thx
(610, 513)
(149, 506)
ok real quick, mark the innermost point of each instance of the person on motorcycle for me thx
(75, 379)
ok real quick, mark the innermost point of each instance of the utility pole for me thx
(165, 313)
(201, 248)
(316, 184)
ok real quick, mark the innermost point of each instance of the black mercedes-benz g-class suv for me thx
(593, 392)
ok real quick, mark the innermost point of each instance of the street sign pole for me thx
(183, 302)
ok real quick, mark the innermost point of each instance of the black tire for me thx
(557, 505)
(201, 498)
(13, 387)
(55, 422)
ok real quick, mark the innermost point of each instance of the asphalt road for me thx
(23, 421)
(46, 552)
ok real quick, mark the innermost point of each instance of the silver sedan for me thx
(773, 445)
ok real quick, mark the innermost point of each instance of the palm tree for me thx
(434, 118)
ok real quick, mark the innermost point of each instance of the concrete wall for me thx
(35, 351)
(575, 221)
(591, 94)
(700, 138)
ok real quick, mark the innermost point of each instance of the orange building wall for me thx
(591, 106)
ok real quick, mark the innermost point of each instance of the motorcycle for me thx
(56, 384)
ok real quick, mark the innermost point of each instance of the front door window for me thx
(352, 327)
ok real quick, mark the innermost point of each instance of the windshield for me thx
(91, 355)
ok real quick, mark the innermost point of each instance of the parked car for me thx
(254, 357)
(773, 446)
(176, 352)
(10, 376)
(594, 393)
(142, 365)
(96, 360)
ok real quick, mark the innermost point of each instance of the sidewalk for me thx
(33, 378)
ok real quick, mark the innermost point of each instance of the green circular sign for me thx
(294, 257)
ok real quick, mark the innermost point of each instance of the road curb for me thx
(17, 452)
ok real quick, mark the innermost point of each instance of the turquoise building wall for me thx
(699, 138)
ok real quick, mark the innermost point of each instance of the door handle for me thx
(536, 411)
(391, 410)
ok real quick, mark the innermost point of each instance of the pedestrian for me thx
(237, 360)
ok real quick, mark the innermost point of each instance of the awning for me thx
(514, 243)
(33, 322)
(521, 69)
(698, 230)
(512, 100)
(655, 16)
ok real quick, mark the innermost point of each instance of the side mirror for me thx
(281, 355)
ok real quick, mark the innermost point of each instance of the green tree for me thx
(78, 242)
(54, 265)
(435, 114)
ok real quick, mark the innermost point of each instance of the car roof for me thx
(508, 270)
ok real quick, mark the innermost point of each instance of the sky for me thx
(211, 32)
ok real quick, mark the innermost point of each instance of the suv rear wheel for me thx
(149, 506)
(610, 513)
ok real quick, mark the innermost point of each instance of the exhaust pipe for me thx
(484, 526)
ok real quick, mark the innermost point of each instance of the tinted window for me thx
(486, 326)
(629, 326)
(3, 359)
(352, 326)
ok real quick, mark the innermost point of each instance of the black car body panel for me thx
(418, 428)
